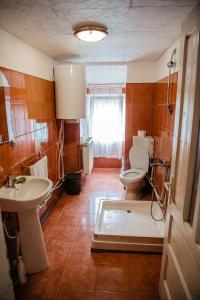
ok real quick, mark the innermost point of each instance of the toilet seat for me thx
(133, 175)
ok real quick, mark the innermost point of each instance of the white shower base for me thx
(128, 225)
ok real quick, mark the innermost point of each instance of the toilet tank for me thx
(146, 143)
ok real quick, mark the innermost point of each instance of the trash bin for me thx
(73, 183)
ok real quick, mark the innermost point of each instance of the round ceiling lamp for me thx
(91, 33)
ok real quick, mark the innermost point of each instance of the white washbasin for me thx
(25, 200)
(26, 196)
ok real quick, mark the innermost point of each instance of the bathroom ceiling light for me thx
(91, 33)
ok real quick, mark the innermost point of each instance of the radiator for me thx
(87, 156)
(40, 168)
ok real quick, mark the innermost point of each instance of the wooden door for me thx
(180, 271)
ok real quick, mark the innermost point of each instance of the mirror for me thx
(6, 128)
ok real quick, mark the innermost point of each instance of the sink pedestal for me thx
(32, 242)
(25, 200)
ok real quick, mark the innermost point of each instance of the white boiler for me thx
(70, 91)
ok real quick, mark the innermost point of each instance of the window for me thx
(106, 123)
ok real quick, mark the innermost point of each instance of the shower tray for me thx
(127, 225)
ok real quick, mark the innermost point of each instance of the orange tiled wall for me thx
(146, 110)
(138, 111)
(34, 124)
(163, 123)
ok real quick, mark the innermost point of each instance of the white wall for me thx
(106, 74)
(19, 56)
(161, 69)
(140, 72)
(144, 72)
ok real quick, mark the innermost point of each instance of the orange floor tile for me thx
(77, 273)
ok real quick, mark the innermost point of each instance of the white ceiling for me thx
(138, 29)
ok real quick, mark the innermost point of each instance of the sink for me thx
(24, 199)
(27, 195)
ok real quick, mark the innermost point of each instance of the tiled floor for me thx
(76, 273)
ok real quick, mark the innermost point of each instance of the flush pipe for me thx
(60, 161)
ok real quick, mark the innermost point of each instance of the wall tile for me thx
(163, 122)
(138, 111)
(146, 110)
(34, 124)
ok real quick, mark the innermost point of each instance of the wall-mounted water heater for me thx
(70, 90)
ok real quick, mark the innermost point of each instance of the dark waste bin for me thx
(73, 183)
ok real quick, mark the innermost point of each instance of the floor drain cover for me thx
(128, 211)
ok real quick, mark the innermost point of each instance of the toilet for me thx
(139, 155)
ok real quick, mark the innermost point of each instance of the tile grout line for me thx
(74, 240)
(61, 278)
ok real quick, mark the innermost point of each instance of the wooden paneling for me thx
(72, 147)
(175, 288)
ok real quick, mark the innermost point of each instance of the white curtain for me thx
(106, 124)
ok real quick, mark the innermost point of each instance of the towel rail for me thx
(32, 160)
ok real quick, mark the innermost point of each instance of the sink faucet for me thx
(160, 162)
(11, 179)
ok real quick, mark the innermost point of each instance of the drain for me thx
(128, 211)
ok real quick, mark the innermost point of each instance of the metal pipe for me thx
(165, 164)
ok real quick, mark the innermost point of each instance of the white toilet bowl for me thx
(139, 161)
(131, 177)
